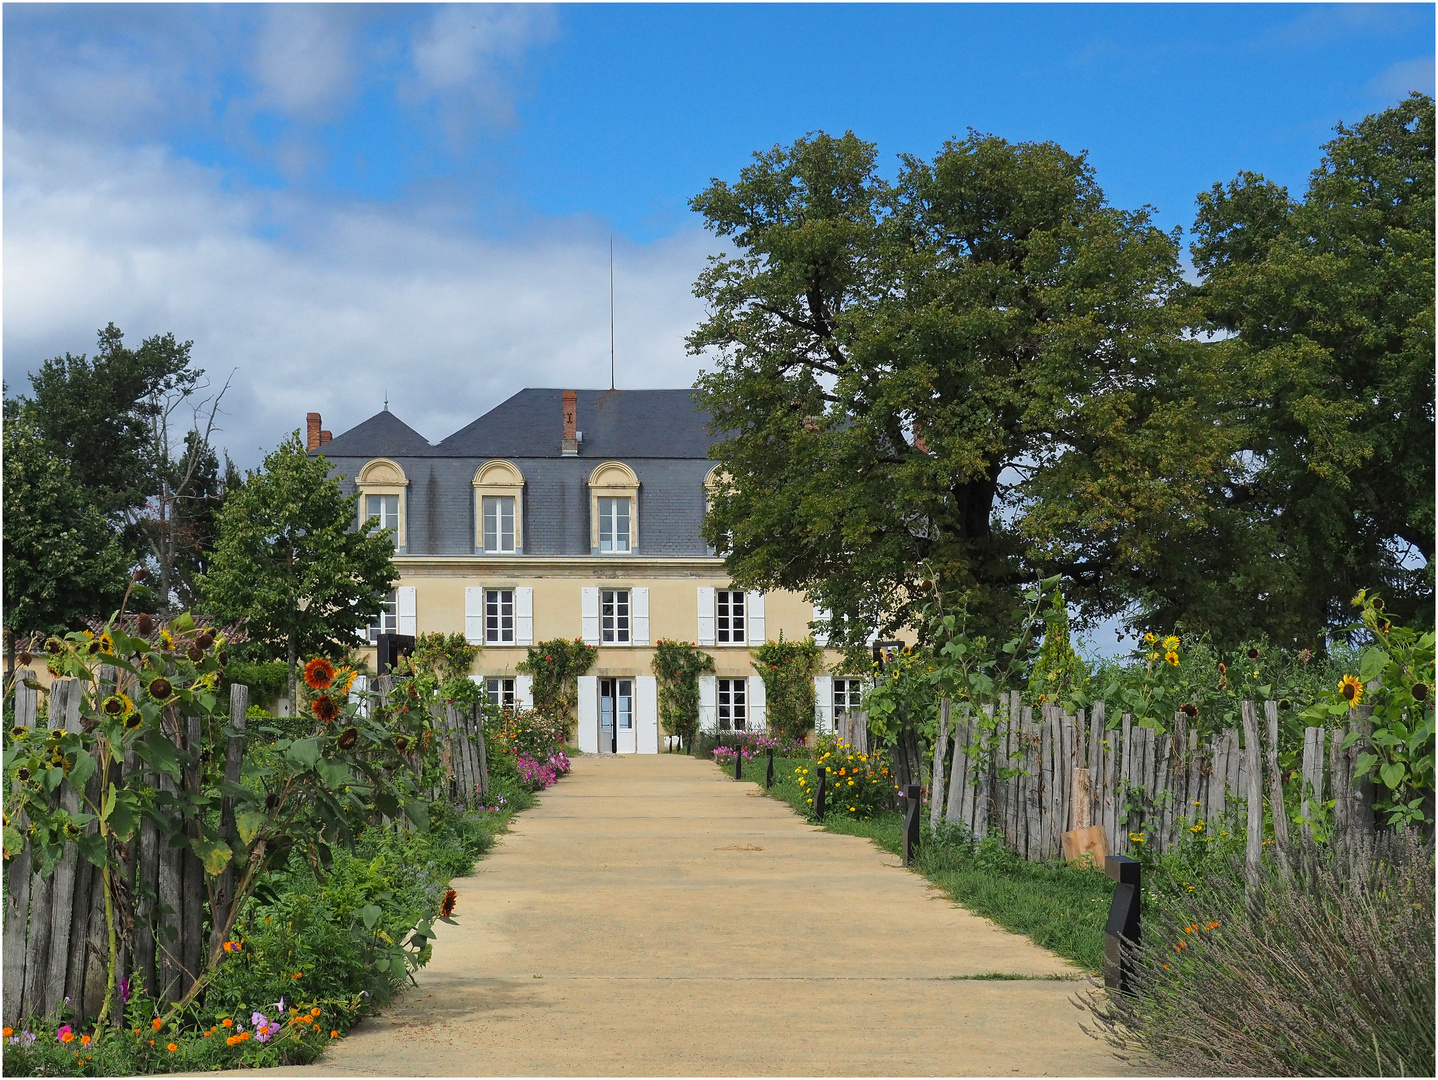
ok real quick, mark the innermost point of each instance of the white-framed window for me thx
(614, 623)
(386, 620)
(848, 697)
(499, 689)
(613, 524)
(729, 621)
(733, 705)
(386, 508)
(499, 616)
(499, 529)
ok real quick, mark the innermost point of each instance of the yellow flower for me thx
(1171, 658)
(1351, 690)
(1170, 643)
(1148, 639)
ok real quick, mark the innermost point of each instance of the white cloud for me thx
(303, 60)
(1400, 79)
(321, 307)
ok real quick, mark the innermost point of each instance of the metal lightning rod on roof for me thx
(611, 311)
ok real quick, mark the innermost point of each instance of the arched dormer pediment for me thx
(382, 472)
(613, 474)
(498, 474)
(498, 508)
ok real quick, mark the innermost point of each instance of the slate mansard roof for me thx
(661, 434)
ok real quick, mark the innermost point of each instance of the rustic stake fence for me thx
(1028, 777)
(55, 941)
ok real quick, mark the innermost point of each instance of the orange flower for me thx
(315, 1011)
(67, 1036)
(84, 1040)
(231, 1041)
(319, 673)
(324, 709)
(7, 1032)
(334, 1034)
(446, 908)
(227, 1022)
(172, 1048)
(157, 1023)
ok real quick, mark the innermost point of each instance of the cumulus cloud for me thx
(304, 62)
(326, 307)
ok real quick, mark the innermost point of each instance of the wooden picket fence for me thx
(1028, 777)
(55, 942)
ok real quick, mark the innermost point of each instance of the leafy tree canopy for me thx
(1327, 308)
(292, 565)
(971, 368)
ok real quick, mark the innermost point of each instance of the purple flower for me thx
(125, 991)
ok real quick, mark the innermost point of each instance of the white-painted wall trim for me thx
(474, 614)
(404, 610)
(639, 601)
(589, 619)
(523, 615)
(706, 615)
(646, 713)
(755, 603)
(823, 704)
(708, 702)
(589, 714)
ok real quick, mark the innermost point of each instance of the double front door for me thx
(616, 716)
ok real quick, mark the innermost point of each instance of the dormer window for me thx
(382, 485)
(498, 509)
(613, 509)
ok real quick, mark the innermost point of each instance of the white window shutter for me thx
(589, 714)
(404, 610)
(823, 704)
(639, 599)
(757, 705)
(474, 615)
(589, 620)
(821, 634)
(523, 616)
(646, 714)
(873, 636)
(708, 701)
(524, 691)
(356, 694)
(706, 616)
(755, 602)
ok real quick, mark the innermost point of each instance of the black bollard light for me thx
(769, 772)
(820, 785)
(911, 822)
(1120, 935)
(738, 762)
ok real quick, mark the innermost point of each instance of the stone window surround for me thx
(382, 476)
(501, 478)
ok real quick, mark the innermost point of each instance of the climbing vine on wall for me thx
(677, 666)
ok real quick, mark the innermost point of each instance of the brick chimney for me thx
(312, 431)
(326, 436)
(569, 447)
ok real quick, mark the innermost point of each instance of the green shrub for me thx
(788, 669)
(677, 666)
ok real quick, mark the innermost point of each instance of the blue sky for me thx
(338, 203)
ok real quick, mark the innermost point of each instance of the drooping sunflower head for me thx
(348, 737)
(1170, 643)
(134, 720)
(1171, 658)
(1352, 690)
(446, 907)
(319, 673)
(344, 679)
(324, 708)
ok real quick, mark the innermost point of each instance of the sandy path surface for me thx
(652, 917)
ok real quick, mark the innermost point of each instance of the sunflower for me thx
(144, 625)
(1170, 643)
(403, 743)
(446, 907)
(161, 689)
(1352, 690)
(118, 705)
(1148, 639)
(319, 673)
(1253, 654)
(344, 679)
(1189, 710)
(1171, 658)
(1420, 691)
(324, 709)
(348, 737)
(134, 720)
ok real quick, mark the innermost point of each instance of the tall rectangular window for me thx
(613, 524)
(614, 616)
(499, 523)
(386, 620)
(848, 697)
(386, 508)
(729, 617)
(499, 616)
(500, 691)
(733, 710)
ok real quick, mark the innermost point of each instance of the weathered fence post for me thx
(1275, 779)
(1122, 928)
(17, 882)
(936, 776)
(65, 708)
(234, 766)
(1253, 784)
(476, 716)
(911, 822)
